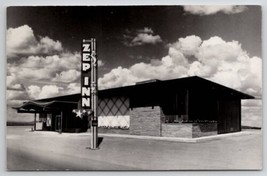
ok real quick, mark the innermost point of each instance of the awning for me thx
(37, 106)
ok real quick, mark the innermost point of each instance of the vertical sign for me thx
(89, 86)
(86, 74)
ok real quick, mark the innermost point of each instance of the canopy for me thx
(37, 106)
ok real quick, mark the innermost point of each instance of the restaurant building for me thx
(186, 107)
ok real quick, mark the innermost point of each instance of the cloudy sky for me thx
(219, 43)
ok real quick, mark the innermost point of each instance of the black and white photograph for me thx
(134, 88)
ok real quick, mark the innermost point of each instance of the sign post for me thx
(88, 103)
(94, 78)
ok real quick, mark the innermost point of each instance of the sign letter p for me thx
(86, 66)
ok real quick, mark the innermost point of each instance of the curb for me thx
(175, 139)
(171, 139)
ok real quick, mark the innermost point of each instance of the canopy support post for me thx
(34, 122)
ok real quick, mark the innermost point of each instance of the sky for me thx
(134, 43)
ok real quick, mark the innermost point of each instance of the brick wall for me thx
(183, 130)
(145, 121)
(204, 129)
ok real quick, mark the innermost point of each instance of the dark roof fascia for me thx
(43, 104)
(59, 98)
(126, 90)
(220, 86)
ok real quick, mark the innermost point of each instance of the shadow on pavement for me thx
(100, 139)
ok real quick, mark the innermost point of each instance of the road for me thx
(52, 151)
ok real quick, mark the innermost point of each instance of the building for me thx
(186, 107)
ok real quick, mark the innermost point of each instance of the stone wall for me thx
(145, 121)
(183, 130)
(204, 129)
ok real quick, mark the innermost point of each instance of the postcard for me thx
(134, 88)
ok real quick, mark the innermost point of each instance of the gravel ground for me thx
(52, 151)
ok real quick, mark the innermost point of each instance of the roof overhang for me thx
(37, 106)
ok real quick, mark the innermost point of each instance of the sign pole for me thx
(94, 122)
(88, 104)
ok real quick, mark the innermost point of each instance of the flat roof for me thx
(194, 83)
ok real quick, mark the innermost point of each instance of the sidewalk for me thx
(174, 139)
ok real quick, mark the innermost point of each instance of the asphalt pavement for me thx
(53, 151)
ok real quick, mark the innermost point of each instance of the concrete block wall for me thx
(189, 130)
(204, 129)
(182, 130)
(145, 121)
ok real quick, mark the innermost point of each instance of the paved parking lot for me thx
(52, 151)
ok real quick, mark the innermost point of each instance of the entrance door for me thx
(58, 123)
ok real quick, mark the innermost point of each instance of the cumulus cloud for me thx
(15, 93)
(224, 62)
(145, 38)
(141, 37)
(188, 45)
(117, 77)
(215, 59)
(12, 83)
(73, 88)
(41, 64)
(11, 94)
(63, 67)
(36, 92)
(67, 76)
(210, 10)
(15, 97)
(22, 41)
(47, 91)
(146, 30)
